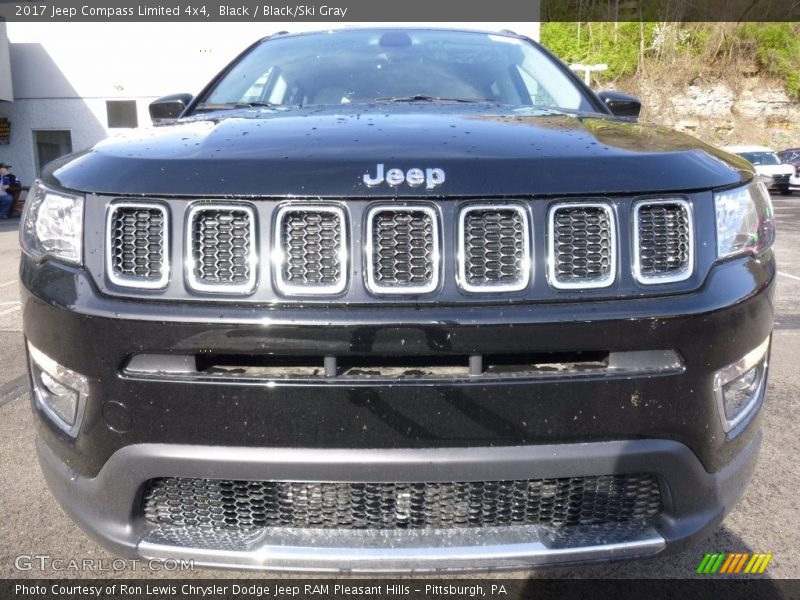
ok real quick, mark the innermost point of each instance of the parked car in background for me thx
(791, 156)
(774, 173)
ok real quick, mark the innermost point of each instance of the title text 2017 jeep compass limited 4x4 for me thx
(398, 299)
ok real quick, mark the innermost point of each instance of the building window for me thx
(121, 113)
(51, 144)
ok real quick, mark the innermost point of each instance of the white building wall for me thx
(6, 87)
(63, 73)
(84, 118)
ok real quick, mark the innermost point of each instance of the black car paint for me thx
(487, 151)
(97, 335)
(264, 153)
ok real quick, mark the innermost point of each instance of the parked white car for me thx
(791, 156)
(773, 172)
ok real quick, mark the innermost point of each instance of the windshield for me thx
(393, 65)
(761, 158)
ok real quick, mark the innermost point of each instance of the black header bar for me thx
(374, 588)
(444, 11)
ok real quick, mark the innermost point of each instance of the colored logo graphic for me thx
(734, 563)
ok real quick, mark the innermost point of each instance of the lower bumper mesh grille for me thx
(248, 505)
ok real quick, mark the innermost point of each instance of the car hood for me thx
(325, 152)
(774, 169)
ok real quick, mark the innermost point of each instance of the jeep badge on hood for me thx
(413, 177)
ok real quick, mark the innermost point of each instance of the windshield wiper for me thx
(426, 98)
(211, 106)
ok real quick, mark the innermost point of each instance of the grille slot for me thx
(582, 240)
(137, 254)
(402, 250)
(249, 505)
(663, 244)
(311, 250)
(221, 244)
(493, 248)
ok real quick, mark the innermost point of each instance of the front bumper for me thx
(136, 427)
(106, 505)
(778, 182)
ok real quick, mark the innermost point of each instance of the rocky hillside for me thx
(751, 110)
(726, 83)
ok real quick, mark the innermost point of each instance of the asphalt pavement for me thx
(766, 520)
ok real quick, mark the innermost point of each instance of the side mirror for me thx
(621, 105)
(168, 108)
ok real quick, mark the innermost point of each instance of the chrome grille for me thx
(402, 249)
(663, 245)
(581, 245)
(493, 248)
(311, 250)
(247, 505)
(137, 245)
(221, 244)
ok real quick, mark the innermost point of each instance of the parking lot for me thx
(31, 522)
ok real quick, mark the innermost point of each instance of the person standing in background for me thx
(6, 199)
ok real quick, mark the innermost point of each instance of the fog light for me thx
(739, 387)
(58, 391)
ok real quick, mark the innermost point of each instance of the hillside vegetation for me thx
(687, 50)
(724, 82)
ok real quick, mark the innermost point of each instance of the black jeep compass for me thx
(397, 299)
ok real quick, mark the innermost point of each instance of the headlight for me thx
(52, 225)
(744, 220)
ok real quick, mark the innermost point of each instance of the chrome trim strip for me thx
(670, 278)
(278, 253)
(551, 267)
(527, 263)
(182, 367)
(374, 286)
(432, 550)
(189, 258)
(136, 282)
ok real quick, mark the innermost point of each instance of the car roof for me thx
(284, 34)
(737, 149)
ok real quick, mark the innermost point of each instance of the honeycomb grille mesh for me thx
(582, 245)
(664, 239)
(495, 247)
(403, 256)
(311, 244)
(137, 243)
(404, 248)
(246, 505)
(221, 246)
